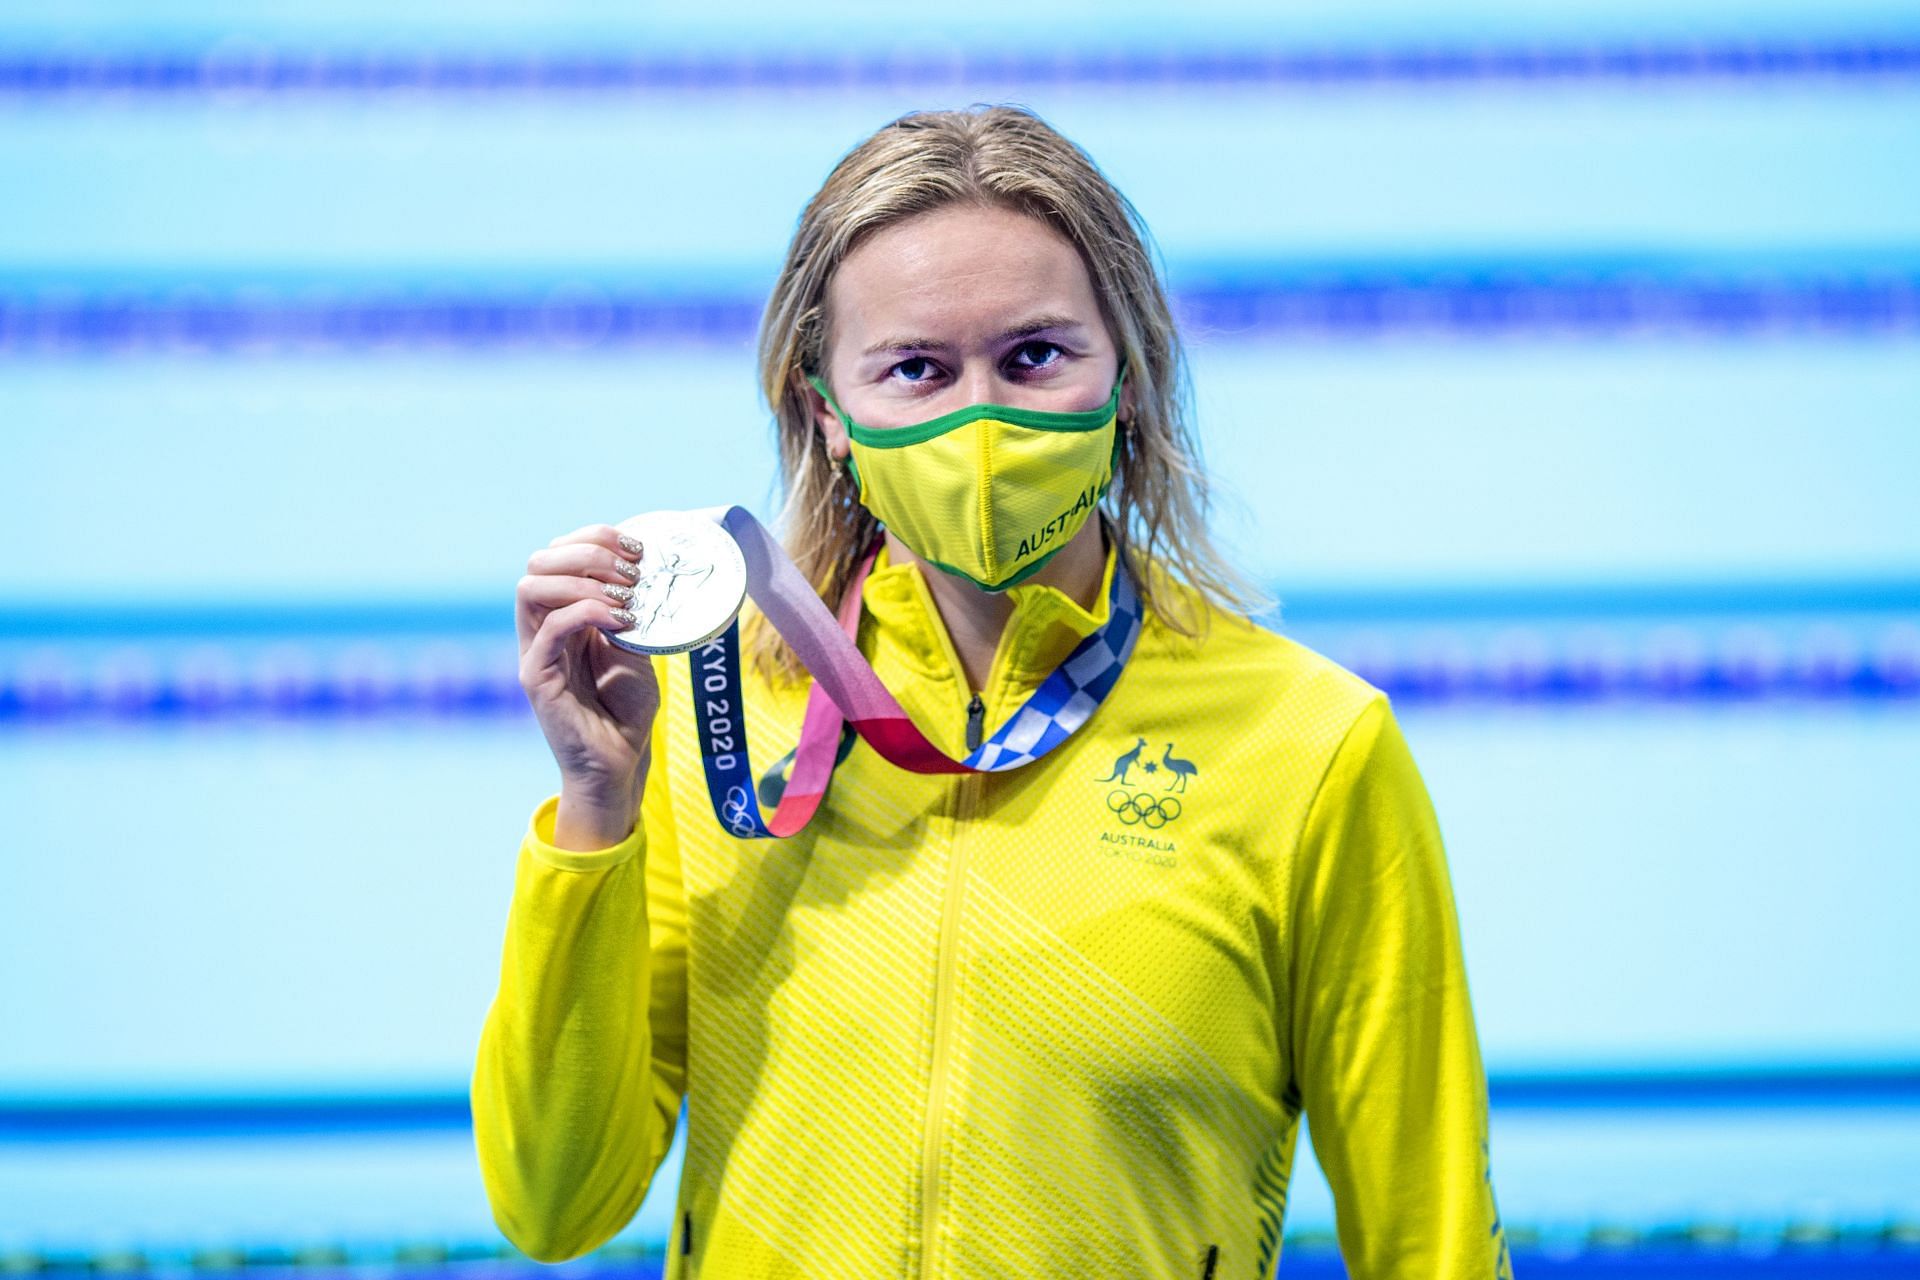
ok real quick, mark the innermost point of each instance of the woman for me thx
(1061, 1019)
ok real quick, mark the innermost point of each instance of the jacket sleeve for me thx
(582, 1059)
(1385, 1056)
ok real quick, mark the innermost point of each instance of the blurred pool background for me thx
(1561, 363)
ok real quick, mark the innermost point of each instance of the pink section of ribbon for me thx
(844, 685)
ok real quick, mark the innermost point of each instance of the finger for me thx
(584, 560)
(603, 535)
(557, 591)
(582, 615)
(535, 595)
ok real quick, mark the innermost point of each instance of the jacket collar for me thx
(1043, 629)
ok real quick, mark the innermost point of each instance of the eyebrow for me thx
(1025, 329)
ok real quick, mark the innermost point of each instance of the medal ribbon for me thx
(846, 690)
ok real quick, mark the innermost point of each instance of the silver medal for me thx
(693, 581)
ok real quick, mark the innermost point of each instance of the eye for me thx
(915, 369)
(1037, 354)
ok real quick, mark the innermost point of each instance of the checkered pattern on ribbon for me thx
(1070, 693)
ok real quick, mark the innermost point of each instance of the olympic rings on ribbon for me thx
(1143, 807)
(737, 813)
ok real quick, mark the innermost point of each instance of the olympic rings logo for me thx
(737, 812)
(1143, 807)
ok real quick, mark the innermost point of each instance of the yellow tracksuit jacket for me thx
(1061, 1021)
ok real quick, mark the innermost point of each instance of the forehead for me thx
(958, 268)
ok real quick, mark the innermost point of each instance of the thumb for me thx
(627, 682)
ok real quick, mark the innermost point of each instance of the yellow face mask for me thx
(990, 492)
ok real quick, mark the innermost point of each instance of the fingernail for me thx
(630, 545)
(624, 618)
(623, 594)
(631, 570)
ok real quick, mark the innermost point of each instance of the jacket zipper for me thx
(966, 791)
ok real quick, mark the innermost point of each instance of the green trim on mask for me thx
(919, 433)
(1014, 581)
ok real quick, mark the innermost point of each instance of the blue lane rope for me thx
(310, 71)
(37, 700)
(56, 1119)
(1693, 1250)
(1238, 305)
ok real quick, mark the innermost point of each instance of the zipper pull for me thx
(976, 712)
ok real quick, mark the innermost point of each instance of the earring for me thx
(834, 461)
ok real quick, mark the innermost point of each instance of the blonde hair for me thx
(1003, 156)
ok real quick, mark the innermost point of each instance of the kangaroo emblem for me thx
(1125, 762)
(1181, 769)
